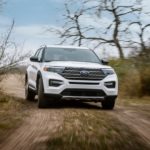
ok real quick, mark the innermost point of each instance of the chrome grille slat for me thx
(78, 78)
(94, 75)
(74, 74)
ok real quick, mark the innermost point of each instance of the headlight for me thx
(108, 71)
(54, 69)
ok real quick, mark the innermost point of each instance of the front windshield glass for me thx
(62, 54)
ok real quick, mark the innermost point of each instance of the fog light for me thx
(111, 84)
(55, 83)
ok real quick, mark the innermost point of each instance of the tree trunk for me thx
(120, 50)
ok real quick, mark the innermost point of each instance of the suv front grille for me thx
(83, 74)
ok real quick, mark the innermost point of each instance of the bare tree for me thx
(113, 34)
(140, 36)
(9, 53)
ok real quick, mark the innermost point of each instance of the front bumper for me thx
(82, 98)
(79, 85)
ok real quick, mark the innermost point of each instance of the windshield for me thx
(62, 54)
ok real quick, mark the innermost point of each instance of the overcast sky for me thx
(33, 17)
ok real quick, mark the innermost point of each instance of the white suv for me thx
(70, 73)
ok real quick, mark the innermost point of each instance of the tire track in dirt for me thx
(134, 120)
(37, 128)
(35, 131)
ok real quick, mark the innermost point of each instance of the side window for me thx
(40, 54)
(36, 53)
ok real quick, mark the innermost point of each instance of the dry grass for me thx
(134, 77)
(94, 129)
(12, 111)
(142, 101)
(131, 85)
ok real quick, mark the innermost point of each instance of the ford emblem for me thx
(84, 73)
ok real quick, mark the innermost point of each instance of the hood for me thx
(75, 64)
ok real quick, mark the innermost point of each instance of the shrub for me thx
(145, 80)
(134, 77)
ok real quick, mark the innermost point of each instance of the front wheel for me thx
(29, 94)
(42, 103)
(109, 103)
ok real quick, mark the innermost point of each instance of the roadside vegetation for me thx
(134, 75)
(12, 112)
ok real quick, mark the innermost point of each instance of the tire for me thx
(109, 103)
(29, 94)
(42, 103)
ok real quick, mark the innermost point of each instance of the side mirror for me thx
(34, 59)
(105, 62)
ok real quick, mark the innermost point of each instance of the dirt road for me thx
(40, 124)
(136, 121)
(36, 128)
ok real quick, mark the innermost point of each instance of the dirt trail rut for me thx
(14, 85)
(35, 131)
(37, 128)
(137, 122)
